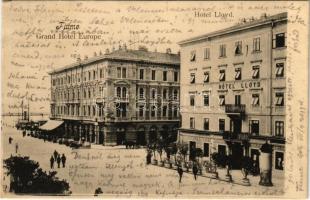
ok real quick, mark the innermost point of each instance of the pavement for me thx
(122, 172)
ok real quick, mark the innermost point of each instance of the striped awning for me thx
(51, 125)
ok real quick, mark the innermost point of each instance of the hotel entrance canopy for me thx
(51, 125)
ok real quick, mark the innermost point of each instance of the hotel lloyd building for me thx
(123, 95)
(233, 90)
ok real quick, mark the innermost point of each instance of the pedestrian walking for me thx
(63, 160)
(58, 161)
(16, 147)
(148, 158)
(195, 170)
(52, 160)
(180, 172)
(55, 155)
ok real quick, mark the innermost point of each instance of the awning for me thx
(51, 125)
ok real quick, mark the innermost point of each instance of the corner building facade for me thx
(120, 96)
(233, 90)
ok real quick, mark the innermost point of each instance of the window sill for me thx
(256, 51)
(279, 48)
(222, 57)
(239, 54)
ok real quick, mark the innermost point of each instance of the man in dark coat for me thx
(58, 161)
(63, 160)
(195, 170)
(52, 162)
(55, 155)
(180, 172)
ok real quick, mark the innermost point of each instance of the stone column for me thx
(96, 133)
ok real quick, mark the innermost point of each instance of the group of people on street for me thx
(56, 157)
(194, 169)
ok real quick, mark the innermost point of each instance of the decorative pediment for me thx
(121, 82)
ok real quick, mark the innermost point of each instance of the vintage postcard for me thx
(144, 99)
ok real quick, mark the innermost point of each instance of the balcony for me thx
(235, 109)
(99, 100)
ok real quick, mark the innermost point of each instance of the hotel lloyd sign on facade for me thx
(240, 85)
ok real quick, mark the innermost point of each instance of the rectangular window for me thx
(222, 75)
(221, 125)
(279, 128)
(153, 75)
(222, 100)
(141, 93)
(192, 100)
(255, 74)
(164, 111)
(141, 74)
(206, 149)
(94, 75)
(124, 72)
(164, 75)
(255, 100)
(222, 50)
(279, 69)
(279, 160)
(89, 75)
(279, 99)
(153, 110)
(192, 78)
(254, 127)
(176, 76)
(119, 72)
(206, 124)
(238, 48)
(238, 74)
(279, 40)
(193, 56)
(237, 99)
(206, 100)
(256, 44)
(101, 73)
(206, 54)
(192, 122)
(141, 111)
(206, 77)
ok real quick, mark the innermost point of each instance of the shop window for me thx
(206, 149)
(279, 160)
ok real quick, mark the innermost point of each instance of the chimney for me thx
(168, 51)
(85, 57)
(107, 51)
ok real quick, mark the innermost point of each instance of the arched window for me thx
(118, 92)
(124, 92)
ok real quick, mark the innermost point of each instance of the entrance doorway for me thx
(101, 137)
(237, 154)
(192, 150)
(235, 125)
(120, 136)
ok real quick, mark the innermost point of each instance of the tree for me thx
(173, 151)
(27, 177)
(183, 149)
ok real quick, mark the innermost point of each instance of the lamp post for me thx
(265, 165)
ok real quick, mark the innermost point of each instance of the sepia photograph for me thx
(144, 99)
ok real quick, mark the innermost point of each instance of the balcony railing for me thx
(232, 108)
